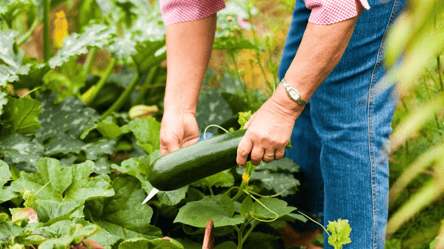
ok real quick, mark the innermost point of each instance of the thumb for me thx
(248, 123)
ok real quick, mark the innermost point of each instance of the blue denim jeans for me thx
(341, 139)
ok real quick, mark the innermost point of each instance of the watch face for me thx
(294, 94)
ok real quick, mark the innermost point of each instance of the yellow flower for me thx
(245, 177)
(61, 29)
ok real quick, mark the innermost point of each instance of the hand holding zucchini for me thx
(189, 164)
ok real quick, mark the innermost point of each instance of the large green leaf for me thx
(123, 48)
(147, 132)
(138, 167)
(12, 60)
(218, 208)
(63, 123)
(101, 147)
(8, 230)
(6, 193)
(123, 215)
(221, 179)
(64, 233)
(22, 115)
(278, 206)
(277, 182)
(109, 129)
(172, 197)
(17, 148)
(65, 184)
(51, 211)
(32, 77)
(273, 178)
(150, 244)
(94, 36)
(283, 164)
(149, 54)
(226, 245)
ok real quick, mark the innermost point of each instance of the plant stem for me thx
(241, 191)
(244, 238)
(90, 60)
(235, 67)
(46, 37)
(250, 19)
(28, 33)
(239, 237)
(439, 73)
(146, 84)
(123, 97)
(211, 191)
(89, 98)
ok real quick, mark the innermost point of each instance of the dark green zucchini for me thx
(189, 164)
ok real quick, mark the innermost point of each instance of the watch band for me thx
(293, 93)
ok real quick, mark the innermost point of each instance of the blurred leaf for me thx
(211, 109)
(22, 116)
(149, 54)
(413, 122)
(123, 47)
(6, 193)
(33, 77)
(3, 101)
(77, 44)
(11, 58)
(232, 45)
(95, 149)
(63, 123)
(17, 148)
(417, 26)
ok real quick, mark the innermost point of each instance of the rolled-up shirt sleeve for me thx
(325, 12)
(174, 11)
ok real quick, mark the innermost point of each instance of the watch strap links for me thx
(289, 89)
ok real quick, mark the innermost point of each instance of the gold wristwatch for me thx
(293, 93)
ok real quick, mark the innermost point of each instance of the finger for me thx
(279, 153)
(256, 155)
(243, 151)
(268, 155)
(190, 142)
(169, 145)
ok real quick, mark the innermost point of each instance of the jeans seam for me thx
(370, 124)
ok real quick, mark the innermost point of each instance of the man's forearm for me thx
(321, 48)
(189, 46)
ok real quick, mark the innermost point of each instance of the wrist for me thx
(291, 107)
(178, 108)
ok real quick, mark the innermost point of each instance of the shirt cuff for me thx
(325, 12)
(174, 11)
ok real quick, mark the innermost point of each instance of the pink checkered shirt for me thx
(322, 11)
